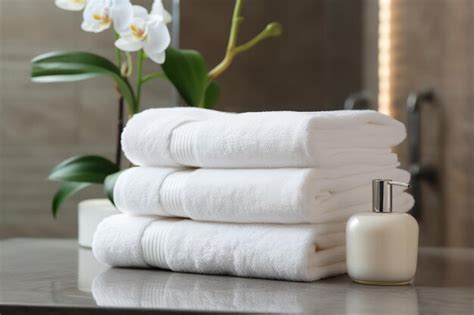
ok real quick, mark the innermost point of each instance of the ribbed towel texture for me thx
(289, 252)
(293, 195)
(206, 138)
(269, 197)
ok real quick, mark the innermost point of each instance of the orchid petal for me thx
(159, 9)
(139, 12)
(93, 27)
(122, 14)
(128, 45)
(71, 5)
(97, 16)
(158, 38)
(156, 57)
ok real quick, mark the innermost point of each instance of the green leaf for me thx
(65, 191)
(211, 97)
(84, 169)
(187, 70)
(109, 184)
(155, 75)
(74, 66)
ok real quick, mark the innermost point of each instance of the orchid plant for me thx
(144, 34)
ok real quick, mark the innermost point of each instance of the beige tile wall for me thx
(434, 47)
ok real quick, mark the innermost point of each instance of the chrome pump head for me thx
(382, 194)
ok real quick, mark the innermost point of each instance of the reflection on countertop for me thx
(57, 273)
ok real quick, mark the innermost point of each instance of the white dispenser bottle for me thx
(382, 246)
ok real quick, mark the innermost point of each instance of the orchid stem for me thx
(118, 146)
(118, 57)
(271, 30)
(140, 58)
(154, 75)
(118, 54)
(129, 67)
(118, 150)
(229, 54)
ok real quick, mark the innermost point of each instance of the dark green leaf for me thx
(211, 97)
(109, 184)
(65, 191)
(74, 66)
(85, 168)
(187, 70)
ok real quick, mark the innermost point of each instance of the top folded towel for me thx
(187, 136)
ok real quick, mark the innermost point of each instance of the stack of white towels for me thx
(255, 194)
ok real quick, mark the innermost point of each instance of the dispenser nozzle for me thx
(399, 184)
(382, 194)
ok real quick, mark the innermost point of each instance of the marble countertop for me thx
(56, 276)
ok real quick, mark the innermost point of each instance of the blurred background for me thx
(375, 54)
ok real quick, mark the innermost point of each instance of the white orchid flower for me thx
(99, 15)
(145, 31)
(160, 10)
(71, 5)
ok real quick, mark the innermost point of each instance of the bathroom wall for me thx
(433, 46)
(42, 124)
(313, 66)
(328, 51)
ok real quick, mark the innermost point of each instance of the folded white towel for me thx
(180, 291)
(206, 138)
(290, 252)
(252, 195)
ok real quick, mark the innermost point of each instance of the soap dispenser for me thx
(382, 246)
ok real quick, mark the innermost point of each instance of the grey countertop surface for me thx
(54, 276)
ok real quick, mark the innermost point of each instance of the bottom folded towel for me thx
(302, 252)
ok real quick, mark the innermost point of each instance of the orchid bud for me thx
(273, 29)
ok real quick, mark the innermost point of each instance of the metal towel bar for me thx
(359, 100)
(418, 172)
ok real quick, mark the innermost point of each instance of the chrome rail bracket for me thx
(418, 171)
(359, 100)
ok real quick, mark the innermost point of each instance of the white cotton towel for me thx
(205, 138)
(252, 195)
(290, 252)
(118, 287)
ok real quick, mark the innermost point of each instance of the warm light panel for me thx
(384, 56)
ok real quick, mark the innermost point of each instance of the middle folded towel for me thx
(253, 195)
